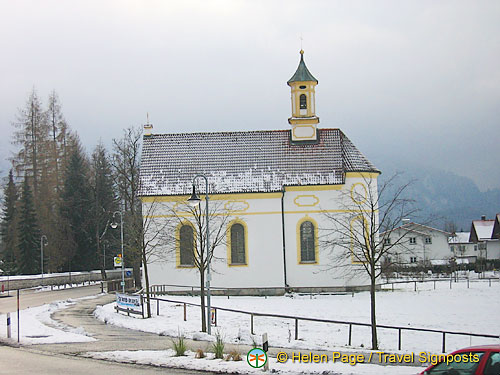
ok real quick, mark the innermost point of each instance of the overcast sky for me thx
(414, 80)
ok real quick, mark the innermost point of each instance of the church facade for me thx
(272, 195)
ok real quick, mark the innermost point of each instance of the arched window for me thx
(186, 245)
(303, 101)
(307, 242)
(238, 244)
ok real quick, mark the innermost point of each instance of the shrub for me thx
(218, 346)
(179, 345)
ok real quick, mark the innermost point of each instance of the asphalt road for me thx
(65, 358)
(20, 361)
(32, 297)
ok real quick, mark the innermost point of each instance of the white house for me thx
(276, 188)
(461, 248)
(417, 244)
(486, 234)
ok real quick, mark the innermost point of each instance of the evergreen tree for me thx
(75, 210)
(8, 230)
(29, 234)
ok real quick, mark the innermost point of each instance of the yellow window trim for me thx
(316, 245)
(354, 197)
(178, 244)
(228, 241)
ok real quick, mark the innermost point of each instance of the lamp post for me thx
(194, 201)
(114, 224)
(104, 243)
(43, 242)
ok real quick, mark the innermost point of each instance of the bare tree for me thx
(352, 235)
(126, 162)
(154, 237)
(179, 214)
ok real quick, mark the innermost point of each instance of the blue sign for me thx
(128, 273)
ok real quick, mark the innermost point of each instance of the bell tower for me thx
(304, 120)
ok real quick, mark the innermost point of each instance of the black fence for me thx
(350, 324)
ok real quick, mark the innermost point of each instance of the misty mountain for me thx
(440, 195)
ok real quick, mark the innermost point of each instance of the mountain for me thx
(443, 196)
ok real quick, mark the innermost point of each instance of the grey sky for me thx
(413, 80)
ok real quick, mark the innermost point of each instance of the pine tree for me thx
(75, 210)
(8, 227)
(29, 234)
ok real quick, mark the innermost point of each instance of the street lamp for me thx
(43, 242)
(104, 243)
(193, 201)
(114, 225)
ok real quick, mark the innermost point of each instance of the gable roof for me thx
(251, 161)
(496, 227)
(481, 230)
(421, 229)
(302, 73)
(459, 237)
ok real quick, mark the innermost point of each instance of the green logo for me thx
(256, 358)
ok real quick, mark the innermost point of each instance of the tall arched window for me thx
(303, 101)
(186, 245)
(307, 242)
(238, 244)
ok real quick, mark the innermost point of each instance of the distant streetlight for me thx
(43, 242)
(114, 225)
(193, 201)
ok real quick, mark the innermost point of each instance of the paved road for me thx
(32, 297)
(21, 361)
(64, 358)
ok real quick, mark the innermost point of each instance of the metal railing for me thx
(350, 324)
(450, 280)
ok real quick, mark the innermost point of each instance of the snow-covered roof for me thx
(483, 228)
(250, 161)
(416, 228)
(459, 237)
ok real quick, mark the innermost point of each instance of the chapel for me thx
(271, 195)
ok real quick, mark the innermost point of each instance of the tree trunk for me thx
(146, 280)
(372, 308)
(202, 304)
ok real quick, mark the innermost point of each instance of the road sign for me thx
(118, 261)
(128, 273)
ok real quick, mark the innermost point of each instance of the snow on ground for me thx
(37, 327)
(167, 358)
(459, 309)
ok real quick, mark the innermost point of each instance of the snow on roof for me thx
(460, 237)
(251, 161)
(483, 228)
(412, 227)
